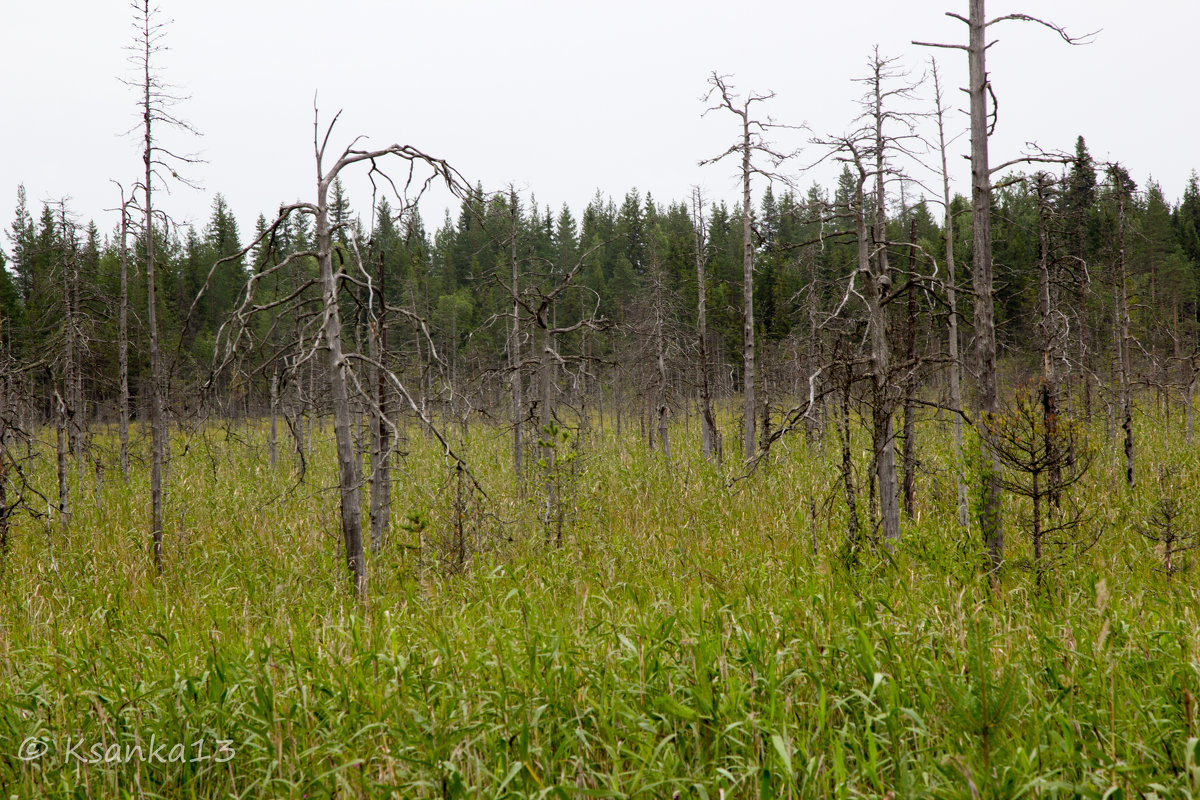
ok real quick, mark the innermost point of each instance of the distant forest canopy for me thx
(458, 280)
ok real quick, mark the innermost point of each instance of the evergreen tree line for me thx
(61, 283)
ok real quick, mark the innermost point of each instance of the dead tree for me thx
(659, 310)
(910, 385)
(155, 103)
(1121, 188)
(551, 285)
(514, 342)
(381, 439)
(1050, 331)
(710, 434)
(126, 204)
(952, 352)
(345, 386)
(750, 143)
(869, 150)
(983, 122)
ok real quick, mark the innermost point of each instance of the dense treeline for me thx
(62, 277)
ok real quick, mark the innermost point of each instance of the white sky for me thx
(559, 96)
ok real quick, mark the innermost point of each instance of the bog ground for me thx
(683, 640)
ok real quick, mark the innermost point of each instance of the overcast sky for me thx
(561, 97)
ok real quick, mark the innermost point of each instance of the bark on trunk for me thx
(64, 485)
(514, 352)
(158, 427)
(710, 436)
(987, 400)
(123, 343)
(748, 400)
(1049, 338)
(273, 436)
(1124, 369)
(952, 325)
(876, 265)
(381, 443)
(910, 387)
(349, 480)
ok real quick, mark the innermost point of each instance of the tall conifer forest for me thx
(884, 487)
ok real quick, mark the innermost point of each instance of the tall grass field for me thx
(692, 634)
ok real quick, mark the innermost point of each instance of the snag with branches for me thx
(551, 285)
(883, 135)
(750, 144)
(334, 280)
(983, 123)
(155, 104)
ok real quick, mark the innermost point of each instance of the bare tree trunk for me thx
(750, 141)
(662, 408)
(910, 388)
(552, 517)
(349, 479)
(381, 444)
(1191, 391)
(158, 428)
(123, 341)
(1049, 337)
(64, 485)
(1124, 369)
(990, 522)
(847, 460)
(710, 435)
(514, 350)
(76, 413)
(876, 265)
(273, 436)
(748, 407)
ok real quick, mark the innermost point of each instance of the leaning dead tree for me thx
(983, 123)
(750, 144)
(338, 272)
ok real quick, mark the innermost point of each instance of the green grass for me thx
(684, 641)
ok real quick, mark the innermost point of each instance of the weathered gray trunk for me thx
(552, 516)
(1124, 369)
(748, 399)
(952, 308)
(987, 398)
(123, 343)
(273, 435)
(662, 408)
(876, 265)
(910, 387)
(349, 479)
(381, 442)
(847, 464)
(64, 485)
(158, 426)
(514, 352)
(1048, 331)
(1188, 412)
(710, 436)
